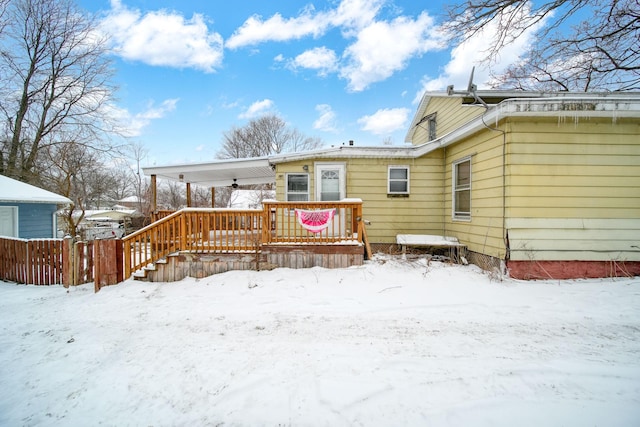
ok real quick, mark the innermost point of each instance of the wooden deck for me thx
(268, 233)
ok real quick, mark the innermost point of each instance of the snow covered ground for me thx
(391, 343)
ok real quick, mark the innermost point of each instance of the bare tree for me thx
(121, 177)
(55, 82)
(76, 173)
(4, 20)
(266, 135)
(223, 196)
(139, 152)
(171, 195)
(602, 52)
(200, 196)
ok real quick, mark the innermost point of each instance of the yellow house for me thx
(544, 185)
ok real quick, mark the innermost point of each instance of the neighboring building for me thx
(26, 211)
(130, 202)
(545, 184)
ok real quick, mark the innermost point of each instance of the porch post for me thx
(213, 197)
(188, 194)
(154, 194)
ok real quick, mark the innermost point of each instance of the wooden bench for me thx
(431, 241)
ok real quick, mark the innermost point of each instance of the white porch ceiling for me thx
(220, 173)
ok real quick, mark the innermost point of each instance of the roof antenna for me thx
(472, 90)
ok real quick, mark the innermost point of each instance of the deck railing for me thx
(206, 230)
(196, 230)
(281, 225)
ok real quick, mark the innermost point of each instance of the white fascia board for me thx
(206, 166)
(349, 152)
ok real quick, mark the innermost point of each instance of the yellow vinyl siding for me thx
(421, 134)
(389, 216)
(574, 189)
(581, 239)
(450, 115)
(483, 232)
(420, 212)
(561, 189)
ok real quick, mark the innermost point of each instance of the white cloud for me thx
(385, 121)
(257, 109)
(132, 125)
(353, 15)
(255, 30)
(349, 14)
(382, 48)
(163, 38)
(327, 120)
(473, 52)
(322, 59)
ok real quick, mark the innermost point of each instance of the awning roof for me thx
(219, 173)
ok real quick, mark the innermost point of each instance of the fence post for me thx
(67, 262)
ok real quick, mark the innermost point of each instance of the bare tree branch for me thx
(266, 135)
(601, 52)
(56, 82)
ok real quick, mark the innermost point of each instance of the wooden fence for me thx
(78, 259)
(46, 261)
(39, 262)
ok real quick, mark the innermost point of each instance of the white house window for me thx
(398, 182)
(297, 187)
(462, 189)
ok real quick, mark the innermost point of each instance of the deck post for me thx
(188, 194)
(266, 222)
(360, 220)
(154, 194)
(213, 197)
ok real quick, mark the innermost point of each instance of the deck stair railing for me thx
(193, 229)
(216, 230)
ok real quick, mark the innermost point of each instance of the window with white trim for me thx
(297, 187)
(398, 180)
(462, 189)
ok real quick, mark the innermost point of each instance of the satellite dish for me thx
(471, 88)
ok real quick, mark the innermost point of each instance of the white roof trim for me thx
(259, 170)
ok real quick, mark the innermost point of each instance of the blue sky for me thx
(188, 71)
